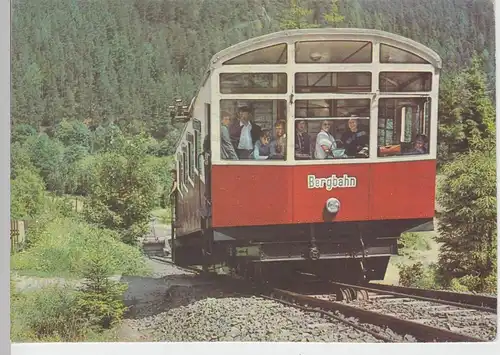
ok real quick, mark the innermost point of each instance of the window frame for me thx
(255, 90)
(285, 52)
(190, 156)
(363, 44)
(292, 68)
(381, 49)
(197, 145)
(425, 90)
(402, 113)
(336, 88)
(253, 100)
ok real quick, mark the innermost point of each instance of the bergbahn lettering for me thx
(331, 182)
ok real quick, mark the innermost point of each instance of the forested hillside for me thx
(124, 61)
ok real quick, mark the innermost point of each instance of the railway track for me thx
(470, 317)
(458, 299)
(365, 317)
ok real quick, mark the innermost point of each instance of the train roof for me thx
(318, 34)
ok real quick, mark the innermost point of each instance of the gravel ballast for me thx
(246, 319)
(175, 305)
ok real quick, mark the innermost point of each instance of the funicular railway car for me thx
(308, 150)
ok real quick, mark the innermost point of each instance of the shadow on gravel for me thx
(148, 296)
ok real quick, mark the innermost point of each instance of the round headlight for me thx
(332, 205)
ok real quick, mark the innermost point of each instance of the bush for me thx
(123, 191)
(417, 275)
(27, 194)
(467, 226)
(101, 299)
(475, 284)
(63, 245)
(409, 243)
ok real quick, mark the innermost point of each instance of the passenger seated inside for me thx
(325, 143)
(280, 140)
(355, 141)
(263, 148)
(227, 151)
(419, 146)
(302, 141)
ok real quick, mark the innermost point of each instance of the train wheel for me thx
(362, 295)
(343, 294)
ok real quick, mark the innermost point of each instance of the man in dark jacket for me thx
(244, 133)
(354, 140)
(302, 141)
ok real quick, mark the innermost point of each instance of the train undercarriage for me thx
(349, 251)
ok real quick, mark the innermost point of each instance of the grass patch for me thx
(60, 248)
(48, 315)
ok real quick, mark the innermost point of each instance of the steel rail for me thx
(331, 315)
(485, 303)
(409, 293)
(420, 331)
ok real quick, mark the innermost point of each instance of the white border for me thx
(175, 348)
(5, 179)
(241, 348)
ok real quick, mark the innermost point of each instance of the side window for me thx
(190, 139)
(184, 166)
(180, 160)
(253, 130)
(403, 126)
(332, 129)
(197, 144)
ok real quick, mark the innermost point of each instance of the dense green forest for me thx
(124, 61)
(91, 85)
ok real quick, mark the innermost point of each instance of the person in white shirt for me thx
(325, 142)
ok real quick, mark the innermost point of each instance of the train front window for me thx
(276, 54)
(405, 81)
(332, 129)
(253, 129)
(253, 83)
(333, 82)
(332, 108)
(403, 126)
(333, 52)
(390, 54)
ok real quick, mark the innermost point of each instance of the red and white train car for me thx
(308, 149)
